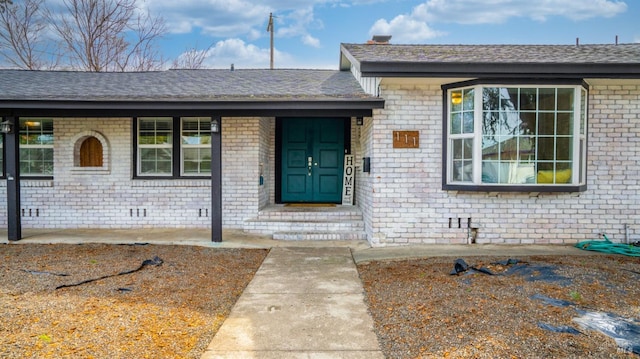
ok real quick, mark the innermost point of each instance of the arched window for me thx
(91, 152)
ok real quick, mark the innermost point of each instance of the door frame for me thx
(278, 150)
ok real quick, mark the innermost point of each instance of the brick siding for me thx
(108, 197)
(403, 200)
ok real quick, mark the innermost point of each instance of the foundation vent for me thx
(30, 212)
(459, 222)
(466, 224)
(137, 212)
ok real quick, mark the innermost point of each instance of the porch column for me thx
(12, 166)
(216, 179)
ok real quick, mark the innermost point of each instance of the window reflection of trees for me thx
(525, 130)
(508, 141)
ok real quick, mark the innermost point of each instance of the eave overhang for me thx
(236, 108)
(499, 70)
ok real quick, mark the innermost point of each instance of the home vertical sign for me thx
(348, 180)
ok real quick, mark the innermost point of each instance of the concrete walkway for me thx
(302, 303)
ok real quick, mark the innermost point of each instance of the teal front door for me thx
(312, 160)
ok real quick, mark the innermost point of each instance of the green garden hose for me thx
(607, 246)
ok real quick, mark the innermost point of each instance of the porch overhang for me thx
(177, 93)
(238, 108)
(15, 109)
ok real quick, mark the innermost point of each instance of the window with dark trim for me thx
(195, 148)
(2, 155)
(172, 147)
(36, 147)
(515, 137)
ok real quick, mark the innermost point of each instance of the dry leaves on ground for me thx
(167, 310)
(420, 310)
(172, 310)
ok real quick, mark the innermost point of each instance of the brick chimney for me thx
(379, 40)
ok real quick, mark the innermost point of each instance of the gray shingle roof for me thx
(583, 54)
(617, 61)
(182, 85)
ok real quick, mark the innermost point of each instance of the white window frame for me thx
(578, 135)
(203, 132)
(25, 124)
(140, 147)
(177, 146)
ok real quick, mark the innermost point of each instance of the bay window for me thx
(173, 146)
(515, 137)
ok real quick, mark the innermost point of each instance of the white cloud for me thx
(237, 52)
(254, 34)
(217, 18)
(310, 40)
(248, 56)
(243, 18)
(404, 29)
(416, 26)
(242, 55)
(498, 11)
(297, 24)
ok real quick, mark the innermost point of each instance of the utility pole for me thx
(270, 29)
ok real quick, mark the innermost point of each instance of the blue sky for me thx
(308, 32)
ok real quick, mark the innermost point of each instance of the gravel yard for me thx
(167, 310)
(420, 310)
(156, 301)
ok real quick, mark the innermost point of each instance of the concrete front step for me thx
(259, 226)
(308, 223)
(320, 236)
(280, 213)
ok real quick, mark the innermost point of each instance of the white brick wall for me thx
(402, 198)
(403, 201)
(363, 142)
(241, 148)
(267, 161)
(109, 198)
